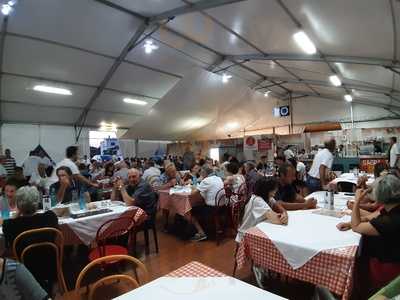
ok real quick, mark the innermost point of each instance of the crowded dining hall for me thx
(199, 149)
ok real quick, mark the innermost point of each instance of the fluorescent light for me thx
(149, 46)
(267, 93)
(135, 101)
(225, 78)
(109, 127)
(335, 80)
(231, 125)
(52, 90)
(6, 9)
(305, 42)
(12, 2)
(348, 98)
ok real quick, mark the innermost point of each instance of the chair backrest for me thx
(221, 198)
(112, 229)
(242, 193)
(346, 187)
(132, 261)
(37, 249)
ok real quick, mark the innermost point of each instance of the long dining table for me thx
(310, 248)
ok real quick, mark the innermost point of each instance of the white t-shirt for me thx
(31, 164)
(394, 152)
(238, 181)
(254, 213)
(323, 157)
(301, 169)
(46, 161)
(209, 187)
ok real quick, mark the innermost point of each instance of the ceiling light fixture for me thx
(335, 80)
(225, 78)
(52, 90)
(348, 98)
(134, 101)
(149, 46)
(305, 42)
(109, 127)
(266, 94)
(6, 9)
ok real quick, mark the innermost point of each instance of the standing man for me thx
(318, 175)
(188, 158)
(9, 163)
(394, 153)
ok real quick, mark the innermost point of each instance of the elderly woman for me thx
(170, 177)
(27, 200)
(381, 243)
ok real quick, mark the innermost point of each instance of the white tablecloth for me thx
(340, 199)
(199, 288)
(306, 235)
(349, 177)
(86, 228)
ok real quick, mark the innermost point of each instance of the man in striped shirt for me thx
(9, 163)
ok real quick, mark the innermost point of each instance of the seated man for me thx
(287, 195)
(66, 188)
(207, 190)
(136, 192)
(151, 174)
(170, 177)
(27, 200)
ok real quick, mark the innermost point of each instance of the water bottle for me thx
(194, 179)
(331, 200)
(53, 196)
(326, 200)
(5, 208)
(82, 201)
(46, 202)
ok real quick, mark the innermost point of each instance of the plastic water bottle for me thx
(53, 197)
(194, 180)
(5, 208)
(82, 201)
(331, 200)
(46, 202)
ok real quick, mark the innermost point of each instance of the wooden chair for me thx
(38, 245)
(111, 279)
(115, 229)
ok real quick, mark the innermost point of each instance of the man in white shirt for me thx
(31, 164)
(394, 155)
(322, 163)
(152, 173)
(207, 190)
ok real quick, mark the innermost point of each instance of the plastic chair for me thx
(218, 211)
(112, 229)
(34, 246)
(116, 278)
(149, 224)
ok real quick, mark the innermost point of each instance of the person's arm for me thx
(282, 213)
(130, 201)
(356, 223)
(84, 180)
(61, 191)
(322, 175)
(273, 217)
(27, 284)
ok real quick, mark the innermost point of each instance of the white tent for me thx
(95, 49)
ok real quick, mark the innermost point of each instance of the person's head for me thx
(10, 189)
(109, 169)
(387, 190)
(19, 172)
(202, 162)
(302, 151)
(206, 171)
(133, 176)
(233, 159)
(27, 200)
(263, 159)
(72, 153)
(7, 152)
(287, 173)
(265, 187)
(225, 157)
(248, 166)
(279, 160)
(64, 173)
(232, 168)
(393, 140)
(330, 145)
(170, 170)
(379, 168)
(195, 169)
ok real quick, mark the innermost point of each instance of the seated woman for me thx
(381, 243)
(170, 177)
(232, 177)
(193, 176)
(27, 200)
(67, 186)
(9, 192)
(259, 207)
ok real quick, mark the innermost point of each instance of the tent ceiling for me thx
(74, 43)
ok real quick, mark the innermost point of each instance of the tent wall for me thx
(22, 138)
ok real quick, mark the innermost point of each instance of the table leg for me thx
(165, 216)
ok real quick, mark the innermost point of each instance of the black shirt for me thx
(386, 246)
(75, 186)
(286, 193)
(144, 196)
(13, 227)
(262, 166)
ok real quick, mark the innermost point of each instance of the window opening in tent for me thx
(214, 154)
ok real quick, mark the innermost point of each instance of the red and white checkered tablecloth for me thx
(70, 237)
(195, 269)
(180, 203)
(332, 268)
